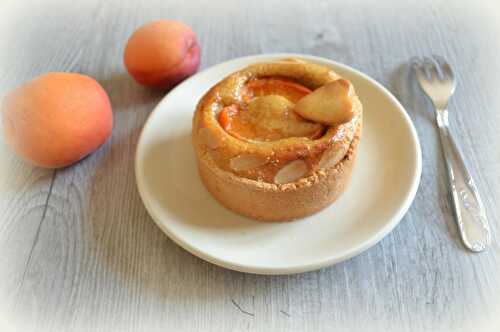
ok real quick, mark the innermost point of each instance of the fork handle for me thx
(469, 210)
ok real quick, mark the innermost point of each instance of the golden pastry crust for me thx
(279, 179)
(278, 202)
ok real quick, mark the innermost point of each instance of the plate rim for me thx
(297, 268)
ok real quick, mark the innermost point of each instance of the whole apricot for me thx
(57, 119)
(162, 53)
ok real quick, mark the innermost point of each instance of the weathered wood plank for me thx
(99, 262)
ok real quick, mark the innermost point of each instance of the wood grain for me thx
(80, 253)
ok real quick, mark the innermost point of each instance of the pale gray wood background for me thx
(79, 252)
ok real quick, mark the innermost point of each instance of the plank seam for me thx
(44, 213)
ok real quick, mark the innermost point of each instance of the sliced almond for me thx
(330, 104)
(246, 162)
(207, 138)
(291, 172)
(332, 156)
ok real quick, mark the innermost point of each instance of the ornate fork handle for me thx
(469, 211)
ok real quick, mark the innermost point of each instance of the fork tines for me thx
(432, 67)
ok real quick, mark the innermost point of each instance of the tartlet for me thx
(277, 141)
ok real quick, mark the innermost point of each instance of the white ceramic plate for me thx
(384, 182)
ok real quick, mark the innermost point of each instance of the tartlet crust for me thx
(277, 202)
(253, 193)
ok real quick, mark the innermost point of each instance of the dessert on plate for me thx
(278, 140)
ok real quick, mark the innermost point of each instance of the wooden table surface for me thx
(78, 250)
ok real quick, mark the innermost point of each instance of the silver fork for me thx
(438, 82)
